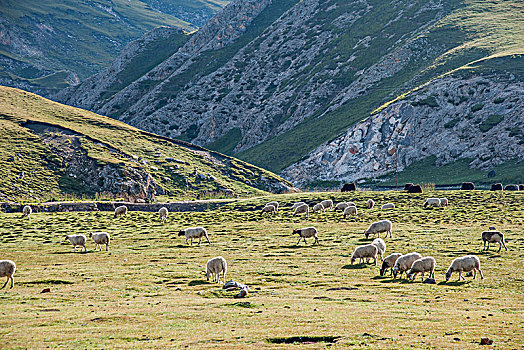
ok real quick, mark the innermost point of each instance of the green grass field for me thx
(150, 291)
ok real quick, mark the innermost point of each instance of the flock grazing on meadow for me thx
(411, 264)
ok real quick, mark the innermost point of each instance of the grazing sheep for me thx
(327, 203)
(389, 262)
(163, 213)
(121, 210)
(26, 211)
(275, 204)
(100, 238)
(341, 206)
(496, 187)
(193, 233)
(407, 186)
(443, 202)
(432, 202)
(493, 237)
(349, 187)
(422, 265)
(297, 204)
(306, 233)
(7, 269)
(318, 207)
(214, 267)
(521, 187)
(351, 204)
(303, 208)
(368, 251)
(370, 203)
(268, 209)
(77, 241)
(379, 226)
(464, 264)
(404, 263)
(388, 206)
(415, 189)
(467, 186)
(352, 210)
(511, 188)
(381, 245)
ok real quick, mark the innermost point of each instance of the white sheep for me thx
(77, 241)
(318, 208)
(443, 202)
(327, 203)
(381, 245)
(493, 237)
(26, 211)
(100, 238)
(388, 206)
(275, 204)
(351, 204)
(306, 233)
(297, 204)
(352, 210)
(464, 264)
(370, 203)
(193, 233)
(368, 251)
(341, 206)
(268, 209)
(163, 212)
(214, 267)
(422, 265)
(303, 208)
(7, 269)
(432, 202)
(389, 262)
(378, 227)
(121, 210)
(404, 263)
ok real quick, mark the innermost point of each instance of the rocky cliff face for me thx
(479, 119)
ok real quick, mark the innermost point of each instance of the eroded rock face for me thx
(451, 119)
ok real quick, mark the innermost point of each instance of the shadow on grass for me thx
(395, 280)
(197, 283)
(355, 266)
(73, 252)
(455, 283)
(380, 277)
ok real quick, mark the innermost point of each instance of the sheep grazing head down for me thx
(448, 274)
(296, 231)
(181, 233)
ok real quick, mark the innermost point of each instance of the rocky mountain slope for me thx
(271, 81)
(48, 45)
(49, 150)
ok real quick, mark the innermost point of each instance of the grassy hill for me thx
(49, 151)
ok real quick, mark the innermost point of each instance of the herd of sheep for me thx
(411, 263)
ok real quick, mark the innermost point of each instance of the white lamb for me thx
(423, 265)
(370, 203)
(341, 206)
(163, 212)
(121, 210)
(378, 227)
(193, 233)
(432, 202)
(493, 236)
(297, 204)
(26, 211)
(327, 203)
(404, 263)
(306, 233)
(388, 206)
(368, 251)
(303, 208)
(7, 269)
(77, 241)
(318, 208)
(275, 204)
(389, 262)
(214, 267)
(464, 264)
(443, 202)
(100, 238)
(268, 209)
(381, 245)
(352, 210)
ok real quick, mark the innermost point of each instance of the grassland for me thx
(149, 291)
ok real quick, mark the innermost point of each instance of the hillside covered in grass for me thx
(291, 76)
(48, 45)
(49, 150)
